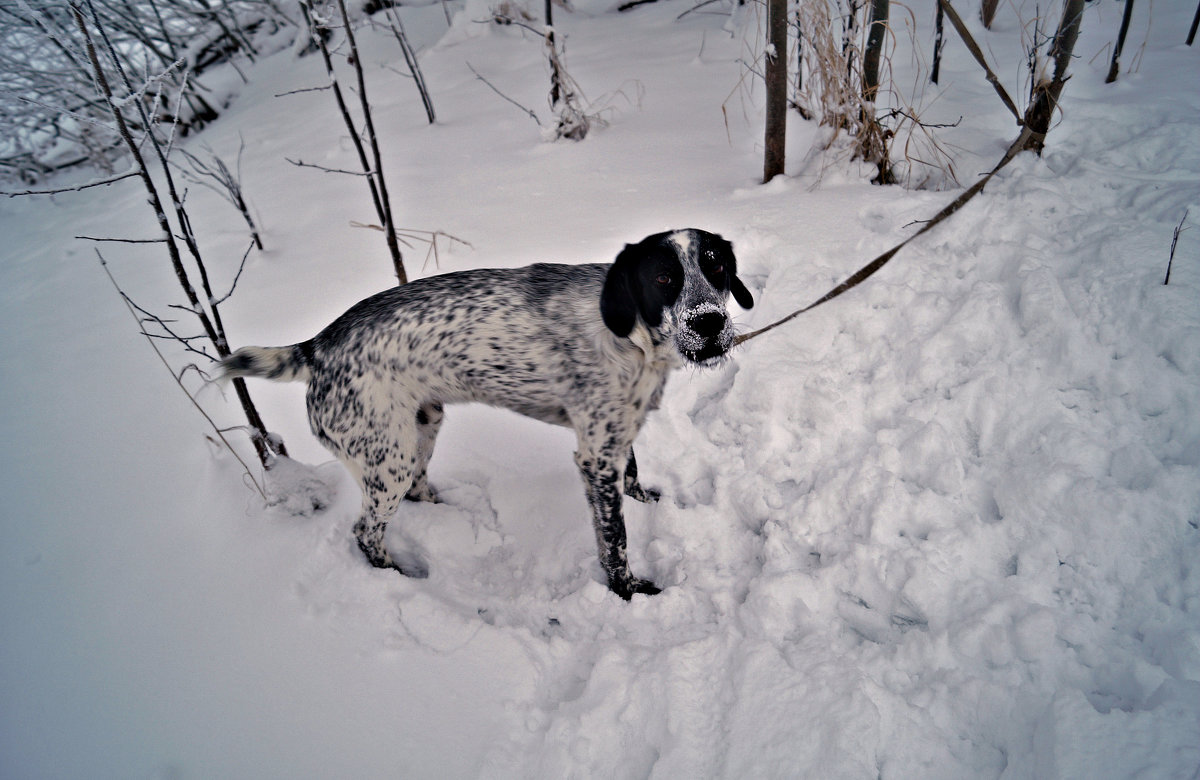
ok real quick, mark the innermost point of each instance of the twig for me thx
(696, 7)
(506, 97)
(385, 214)
(306, 89)
(179, 382)
(236, 277)
(1175, 241)
(410, 58)
(302, 164)
(87, 185)
(633, 4)
(124, 240)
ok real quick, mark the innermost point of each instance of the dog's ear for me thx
(618, 304)
(740, 293)
(736, 287)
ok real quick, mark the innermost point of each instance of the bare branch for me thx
(124, 240)
(77, 188)
(236, 277)
(506, 97)
(302, 164)
(179, 382)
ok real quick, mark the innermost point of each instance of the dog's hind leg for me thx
(429, 420)
(384, 464)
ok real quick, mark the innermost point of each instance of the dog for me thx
(583, 346)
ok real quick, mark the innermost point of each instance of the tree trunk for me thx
(874, 51)
(1046, 93)
(939, 42)
(1115, 67)
(776, 77)
(987, 12)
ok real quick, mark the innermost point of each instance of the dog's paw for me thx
(407, 563)
(627, 586)
(424, 493)
(410, 565)
(643, 494)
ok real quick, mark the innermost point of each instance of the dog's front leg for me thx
(603, 472)
(633, 488)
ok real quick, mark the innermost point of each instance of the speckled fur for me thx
(584, 346)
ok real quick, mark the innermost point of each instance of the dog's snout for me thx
(708, 325)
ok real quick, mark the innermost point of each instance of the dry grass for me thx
(886, 132)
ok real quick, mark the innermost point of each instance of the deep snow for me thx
(944, 527)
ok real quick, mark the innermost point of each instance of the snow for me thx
(943, 527)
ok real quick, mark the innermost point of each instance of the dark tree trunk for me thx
(1046, 93)
(939, 41)
(987, 12)
(1115, 67)
(776, 77)
(876, 34)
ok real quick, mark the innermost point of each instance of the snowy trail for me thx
(944, 527)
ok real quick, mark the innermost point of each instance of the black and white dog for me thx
(584, 346)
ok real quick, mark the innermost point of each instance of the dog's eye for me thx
(718, 269)
(663, 278)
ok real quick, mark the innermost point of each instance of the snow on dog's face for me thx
(676, 284)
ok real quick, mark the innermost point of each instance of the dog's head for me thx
(677, 284)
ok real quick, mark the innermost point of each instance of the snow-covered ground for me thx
(944, 527)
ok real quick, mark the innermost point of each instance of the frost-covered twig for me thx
(372, 169)
(410, 58)
(226, 183)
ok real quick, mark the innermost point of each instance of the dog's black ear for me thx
(618, 305)
(740, 293)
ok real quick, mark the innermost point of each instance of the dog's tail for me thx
(282, 364)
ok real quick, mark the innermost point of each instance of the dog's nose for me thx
(708, 324)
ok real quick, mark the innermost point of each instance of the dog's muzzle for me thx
(705, 334)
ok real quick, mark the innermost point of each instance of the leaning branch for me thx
(977, 53)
